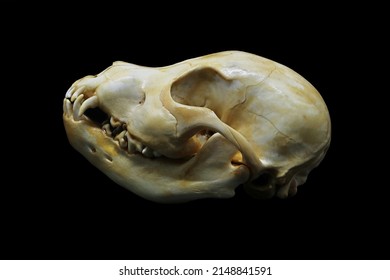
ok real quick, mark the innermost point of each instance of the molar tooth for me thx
(148, 152)
(114, 123)
(76, 107)
(91, 102)
(107, 129)
(77, 93)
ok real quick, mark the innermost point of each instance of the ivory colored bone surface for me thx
(200, 128)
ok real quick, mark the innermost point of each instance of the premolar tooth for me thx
(107, 129)
(148, 152)
(91, 102)
(76, 94)
(130, 147)
(130, 144)
(114, 123)
(76, 107)
(120, 135)
(122, 143)
(137, 145)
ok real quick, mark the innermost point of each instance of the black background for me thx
(55, 205)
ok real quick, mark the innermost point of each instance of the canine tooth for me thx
(76, 107)
(69, 107)
(148, 152)
(107, 129)
(156, 154)
(77, 93)
(91, 102)
(68, 94)
(114, 123)
(120, 135)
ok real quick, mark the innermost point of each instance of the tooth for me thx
(64, 109)
(130, 144)
(148, 152)
(120, 135)
(76, 107)
(91, 102)
(69, 107)
(122, 143)
(77, 93)
(117, 130)
(137, 145)
(68, 94)
(107, 129)
(156, 154)
(130, 147)
(114, 123)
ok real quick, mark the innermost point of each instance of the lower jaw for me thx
(208, 174)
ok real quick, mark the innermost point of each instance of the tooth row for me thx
(78, 108)
(126, 141)
(79, 104)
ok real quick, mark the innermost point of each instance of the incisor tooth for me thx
(76, 107)
(64, 107)
(91, 102)
(68, 94)
(77, 93)
(69, 108)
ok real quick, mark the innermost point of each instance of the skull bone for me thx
(200, 128)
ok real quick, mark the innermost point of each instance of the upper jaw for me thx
(158, 178)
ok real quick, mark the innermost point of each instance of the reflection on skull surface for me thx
(200, 128)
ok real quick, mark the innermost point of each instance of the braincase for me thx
(276, 109)
(284, 117)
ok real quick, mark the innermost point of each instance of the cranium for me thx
(200, 128)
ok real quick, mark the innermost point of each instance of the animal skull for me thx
(200, 128)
